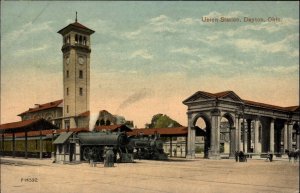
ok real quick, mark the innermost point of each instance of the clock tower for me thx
(76, 51)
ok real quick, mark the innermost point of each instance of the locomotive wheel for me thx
(87, 152)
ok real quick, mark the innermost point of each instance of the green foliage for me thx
(162, 121)
(199, 149)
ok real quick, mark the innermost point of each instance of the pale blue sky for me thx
(158, 53)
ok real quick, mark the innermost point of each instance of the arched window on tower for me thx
(80, 39)
(107, 122)
(102, 122)
(84, 40)
(76, 39)
(68, 39)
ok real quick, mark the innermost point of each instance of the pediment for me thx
(198, 96)
(202, 96)
(231, 96)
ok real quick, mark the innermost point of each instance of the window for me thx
(67, 91)
(80, 39)
(76, 39)
(80, 74)
(84, 40)
(67, 74)
(80, 91)
(67, 108)
(67, 124)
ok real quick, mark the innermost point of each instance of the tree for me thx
(162, 121)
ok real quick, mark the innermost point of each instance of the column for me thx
(232, 141)
(190, 141)
(272, 136)
(41, 145)
(298, 140)
(193, 138)
(13, 145)
(237, 133)
(2, 144)
(170, 146)
(245, 149)
(215, 134)
(285, 136)
(290, 136)
(26, 145)
(256, 134)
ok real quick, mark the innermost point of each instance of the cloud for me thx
(270, 27)
(23, 52)
(279, 69)
(27, 30)
(160, 20)
(185, 50)
(141, 54)
(284, 45)
(132, 35)
(137, 96)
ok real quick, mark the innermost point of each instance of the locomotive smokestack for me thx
(93, 118)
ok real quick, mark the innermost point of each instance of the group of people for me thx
(293, 154)
(240, 156)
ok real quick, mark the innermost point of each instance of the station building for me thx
(231, 123)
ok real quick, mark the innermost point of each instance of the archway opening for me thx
(296, 136)
(202, 135)
(227, 135)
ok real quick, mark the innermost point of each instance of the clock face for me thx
(67, 60)
(81, 60)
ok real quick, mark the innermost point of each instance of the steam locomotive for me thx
(147, 148)
(125, 148)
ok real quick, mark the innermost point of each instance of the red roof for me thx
(43, 106)
(293, 108)
(247, 102)
(112, 128)
(48, 132)
(84, 114)
(161, 131)
(75, 25)
(27, 125)
(265, 105)
(18, 124)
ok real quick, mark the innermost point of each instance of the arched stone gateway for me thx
(234, 124)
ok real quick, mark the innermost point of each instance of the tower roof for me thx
(76, 26)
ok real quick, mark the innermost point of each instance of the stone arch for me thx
(207, 129)
(227, 134)
(230, 118)
(202, 115)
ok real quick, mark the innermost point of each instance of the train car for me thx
(93, 146)
(33, 147)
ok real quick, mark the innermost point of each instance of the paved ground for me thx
(177, 176)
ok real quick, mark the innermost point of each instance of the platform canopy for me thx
(26, 126)
(62, 138)
(163, 132)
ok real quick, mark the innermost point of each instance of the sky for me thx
(147, 57)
